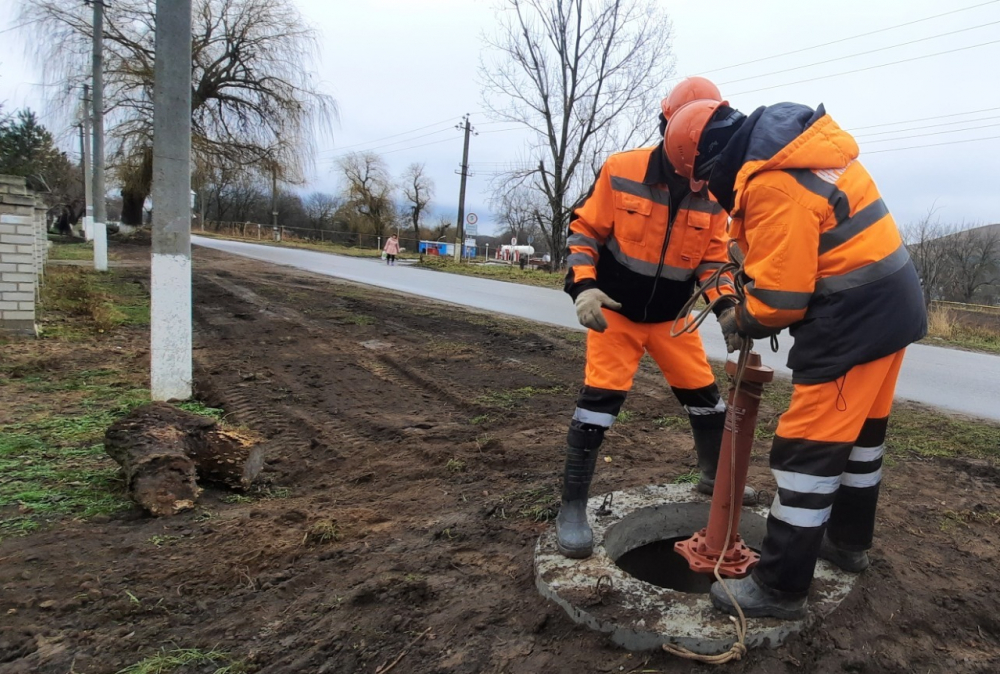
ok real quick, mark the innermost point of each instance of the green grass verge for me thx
(54, 465)
(963, 338)
(497, 272)
(105, 300)
(71, 251)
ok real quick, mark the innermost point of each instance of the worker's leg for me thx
(685, 366)
(812, 446)
(852, 519)
(612, 359)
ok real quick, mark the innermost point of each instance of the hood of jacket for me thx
(793, 136)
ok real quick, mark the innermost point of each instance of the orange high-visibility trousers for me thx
(613, 358)
(827, 461)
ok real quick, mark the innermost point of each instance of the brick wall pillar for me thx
(18, 258)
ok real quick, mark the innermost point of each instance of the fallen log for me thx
(164, 450)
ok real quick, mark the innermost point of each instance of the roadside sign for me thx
(531, 240)
(472, 218)
(471, 243)
(472, 230)
(513, 240)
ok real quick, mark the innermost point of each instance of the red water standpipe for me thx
(702, 551)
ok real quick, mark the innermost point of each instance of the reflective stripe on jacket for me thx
(627, 239)
(822, 251)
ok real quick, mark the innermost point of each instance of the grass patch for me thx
(538, 505)
(72, 251)
(106, 301)
(497, 272)
(165, 662)
(321, 533)
(455, 466)
(511, 398)
(946, 329)
(691, 477)
(480, 420)
(625, 416)
(198, 407)
(671, 422)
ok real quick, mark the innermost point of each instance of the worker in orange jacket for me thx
(638, 244)
(823, 258)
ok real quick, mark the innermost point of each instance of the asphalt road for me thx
(960, 381)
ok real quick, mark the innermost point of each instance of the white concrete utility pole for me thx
(99, 227)
(88, 177)
(170, 350)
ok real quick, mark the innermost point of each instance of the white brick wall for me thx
(23, 247)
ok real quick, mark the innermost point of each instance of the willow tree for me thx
(586, 77)
(254, 104)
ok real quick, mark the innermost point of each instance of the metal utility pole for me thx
(100, 209)
(88, 185)
(460, 241)
(170, 351)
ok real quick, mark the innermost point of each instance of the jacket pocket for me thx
(631, 217)
(696, 232)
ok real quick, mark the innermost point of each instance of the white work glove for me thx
(588, 309)
(730, 330)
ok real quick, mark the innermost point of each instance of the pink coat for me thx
(391, 247)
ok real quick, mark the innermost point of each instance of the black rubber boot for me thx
(708, 445)
(574, 537)
(846, 560)
(756, 600)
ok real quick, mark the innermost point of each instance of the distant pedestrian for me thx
(391, 250)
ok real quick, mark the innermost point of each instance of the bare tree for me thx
(519, 212)
(254, 105)
(418, 188)
(369, 191)
(925, 240)
(584, 76)
(974, 258)
(320, 209)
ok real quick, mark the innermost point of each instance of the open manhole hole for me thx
(659, 564)
(642, 544)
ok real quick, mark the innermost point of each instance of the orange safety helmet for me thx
(684, 133)
(690, 89)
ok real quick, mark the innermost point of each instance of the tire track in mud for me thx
(343, 433)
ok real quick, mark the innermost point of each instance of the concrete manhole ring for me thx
(639, 615)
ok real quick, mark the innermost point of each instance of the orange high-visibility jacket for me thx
(644, 238)
(822, 251)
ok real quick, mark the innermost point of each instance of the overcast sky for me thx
(395, 66)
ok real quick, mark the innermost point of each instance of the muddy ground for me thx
(414, 454)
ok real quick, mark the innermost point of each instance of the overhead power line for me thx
(852, 37)
(449, 121)
(928, 126)
(395, 142)
(861, 53)
(934, 133)
(916, 147)
(874, 67)
(924, 119)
